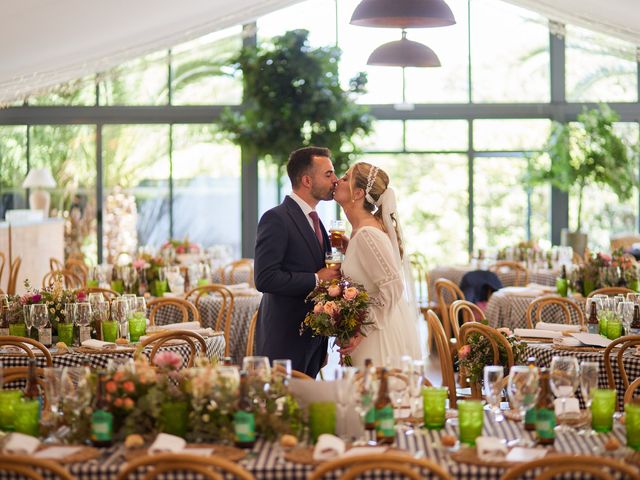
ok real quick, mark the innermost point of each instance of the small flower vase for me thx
(175, 417)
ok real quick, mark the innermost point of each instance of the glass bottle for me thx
(367, 395)
(634, 329)
(101, 418)
(244, 419)
(530, 415)
(385, 422)
(593, 325)
(4, 319)
(545, 412)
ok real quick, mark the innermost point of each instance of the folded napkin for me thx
(356, 451)
(167, 443)
(535, 333)
(491, 448)
(97, 344)
(571, 406)
(205, 332)
(557, 327)
(592, 339)
(181, 326)
(21, 444)
(520, 454)
(328, 447)
(567, 342)
(56, 453)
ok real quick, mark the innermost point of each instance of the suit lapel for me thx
(302, 224)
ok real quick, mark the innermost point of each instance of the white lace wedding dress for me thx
(370, 261)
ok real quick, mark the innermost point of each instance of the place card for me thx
(521, 454)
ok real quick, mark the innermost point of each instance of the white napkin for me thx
(56, 453)
(180, 326)
(21, 444)
(567, 342)
(328, 447)
(97, 344)
(356, 451)
(167, 443)
(592, 339)
(557, 327)
(491, 448)
(520, 454)
(572, 406)
(535, 333)
(205, 332)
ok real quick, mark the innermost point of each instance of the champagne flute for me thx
(493, 378)
(564, 380)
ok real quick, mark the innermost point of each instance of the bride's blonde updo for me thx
(360, 179)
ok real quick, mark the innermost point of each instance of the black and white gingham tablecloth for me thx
(544, 353)
(266, 460)
(215, 348)
(244, 306)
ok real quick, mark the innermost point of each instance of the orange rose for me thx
(350, 293)
(334, 290)
(111, 386)
(128, 403)
(129, 386)
(319, 308)
(118, 402)
(330, 308)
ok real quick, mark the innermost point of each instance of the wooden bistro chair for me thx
(15, 374)
(470, 312)
(251, 335)
(572, 313)
(14, 268)
(71, 280)
(186, 309)
(559, 466)
(611, 291)
(521, 273)
(159, 340)
(29, 467)
(629, 394)
(225, 315)
(624, 343)
(230, 271)
(163, 465)
(401, 464)
(496, 339)
(55, 264)
(23, 344)
(78, 267)
(447, 292)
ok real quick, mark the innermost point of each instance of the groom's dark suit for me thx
(287, 256)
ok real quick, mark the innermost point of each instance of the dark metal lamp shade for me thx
(403, 53)
(402, 14)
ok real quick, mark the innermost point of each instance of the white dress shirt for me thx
(305, 207)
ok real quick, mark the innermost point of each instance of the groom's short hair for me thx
(301, 161)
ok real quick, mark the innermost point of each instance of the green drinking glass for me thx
(202, 282)
(562, 286)
(175, 417)
(137, 327)
(434, 401)
(603, 405)
(322, 419)
(8, 401)
(65, 333)
(18, 329)
(632, 424)
(117, 286)
(93, 284)
(470, 420)
(614, 329)
(27, 417)
(109, 331)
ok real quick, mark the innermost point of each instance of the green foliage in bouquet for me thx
(293, 98)
(478, 353)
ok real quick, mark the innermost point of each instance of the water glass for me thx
(84, 314)
(65, 326)
(137, 327)
(39, 315)
(632, 424)
(470, 420)
(281, 371)
(120, 314)
(493, 378)
(322, 419)
(27, 417)
(603, 405)
(614, 327)
(434, 401)
(109, 331)
(523, 388)
(588, 380)
(257, 367)
(564, 379)
(8, 401)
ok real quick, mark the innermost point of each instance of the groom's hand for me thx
(328, 273)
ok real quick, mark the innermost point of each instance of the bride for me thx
(375, 258)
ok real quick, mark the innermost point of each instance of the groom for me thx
(289, 261)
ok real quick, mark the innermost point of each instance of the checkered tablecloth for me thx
(244, 306)
(241, 275)
(508, 309)
(266, 460)
(455, 274)
(544, 353)
(215, 348)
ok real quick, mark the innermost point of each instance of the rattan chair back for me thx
(572, 313)
(187, 309)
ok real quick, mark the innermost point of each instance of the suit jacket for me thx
(287, 256)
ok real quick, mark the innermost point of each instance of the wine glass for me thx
(40, 318)
(564, 379)
(53, 391)
(344, 393)
(416, 379)
(493, 378)
(83, 321)
(28, 322)
(141, 306)
(131, 300)
(281, 371)
(120, 313)
(625, 310)
(257, 367)
(523, 387)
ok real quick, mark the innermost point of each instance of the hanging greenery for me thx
(293, 98)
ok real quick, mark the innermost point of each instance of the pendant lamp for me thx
(403, 14)
(404, 53)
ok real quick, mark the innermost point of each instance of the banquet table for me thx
(244, 306)
(544, 353)
(266, 460)
(455, 273)
(508, 308)
(215, 348)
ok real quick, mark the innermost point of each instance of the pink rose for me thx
(350, 293)
(330, 308)
(464, 352)
(334, 290)
(319, 308)
(168, 360)
(128, 403)
(139, 263)
(117, 402)
(505, 331)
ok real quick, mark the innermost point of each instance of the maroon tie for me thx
(316, 227)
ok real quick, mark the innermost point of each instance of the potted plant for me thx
(584, 153)
(293, 98)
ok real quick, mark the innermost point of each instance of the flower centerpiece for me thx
(627, 276)
(478, 353)
(148, 268)
(181, 246)
(341, 309)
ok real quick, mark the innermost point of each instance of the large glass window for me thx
(13, 168)
(510, 135)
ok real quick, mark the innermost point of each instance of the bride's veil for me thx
(387, 203)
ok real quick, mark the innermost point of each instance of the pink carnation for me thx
(139, 263)
(318, 308)
(350, 293)
(168, 360)
(334, 290)
(464, 352)
(330, 308)
(35, 298)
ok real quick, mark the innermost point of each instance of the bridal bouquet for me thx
(341, 308)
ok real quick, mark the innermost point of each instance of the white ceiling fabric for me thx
(47, 42)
